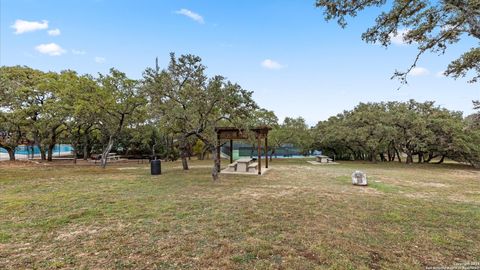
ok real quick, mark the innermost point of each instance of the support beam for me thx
(231, 151)
(266, 152)
(259, 153)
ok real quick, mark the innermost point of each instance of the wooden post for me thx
(218, 153)
(259, 153)
(231, 151)
(266, 152)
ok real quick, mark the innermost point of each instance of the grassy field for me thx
(297, 216)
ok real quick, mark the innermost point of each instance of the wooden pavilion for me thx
(232, 133)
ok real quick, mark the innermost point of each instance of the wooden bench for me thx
(253, 166)
(329, 160)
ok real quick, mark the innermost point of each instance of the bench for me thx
(110, 157)
(113, 157)
(253, 166)
(323, 159)
(232, 167)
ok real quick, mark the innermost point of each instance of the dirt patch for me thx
(75, 232)
(273, 191)
(418, 195)
(127, 168)
(432, 184)
(20, 163)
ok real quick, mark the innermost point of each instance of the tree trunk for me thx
(85, 152)
(203, 153)
(441, 160)
(50, 152)
(43, 154)
(420, 157)
(153, 149)
(398, 155)
(272, 153)
(430, 157)
(409, 157)
(75, 152)
(11, 153)
(216, 164)
(106, 152)
(184, 153)
(85, 147)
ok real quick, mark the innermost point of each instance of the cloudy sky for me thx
(296, 63)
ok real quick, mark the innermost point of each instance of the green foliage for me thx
(292, 131)
(387, 130)
(190, 105)
(174, 112)
(430, 25)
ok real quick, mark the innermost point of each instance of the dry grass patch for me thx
(298, 216)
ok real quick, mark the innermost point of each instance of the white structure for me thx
(359, 178)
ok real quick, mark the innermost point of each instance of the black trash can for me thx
(156, 167)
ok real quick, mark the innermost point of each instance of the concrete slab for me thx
(225, 171)
(321, 163)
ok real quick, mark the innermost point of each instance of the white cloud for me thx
(78, 52)
(22, 26)
(419, 71)
(271, 64)
(399, 38)
(100, 60)
(54, 32)
(51, 49)
(192, 15)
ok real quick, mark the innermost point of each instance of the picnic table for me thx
(110, 157)
(113, 156)
(243, 165)
(323, 159)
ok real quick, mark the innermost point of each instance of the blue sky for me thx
(296, 63)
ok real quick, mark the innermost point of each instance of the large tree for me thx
(20, 103)
(192, 105)
(79, 98)
(119, 99)
(174, 95)
(292, 131)
(430, 25)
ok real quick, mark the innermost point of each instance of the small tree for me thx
(119, 98)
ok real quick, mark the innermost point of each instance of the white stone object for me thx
(359, 178)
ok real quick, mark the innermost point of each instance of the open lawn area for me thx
(296, 216)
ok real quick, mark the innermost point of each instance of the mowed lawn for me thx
(297, 216)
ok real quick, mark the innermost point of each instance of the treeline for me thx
(388, 131)
(172, 113)
(168, 113)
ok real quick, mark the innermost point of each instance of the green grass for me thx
(297, 216)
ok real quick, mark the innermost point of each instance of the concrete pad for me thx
(225, 171)
(322, 163)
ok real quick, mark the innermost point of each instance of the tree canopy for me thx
(386, 130)
(432, 26)
(173, 112)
